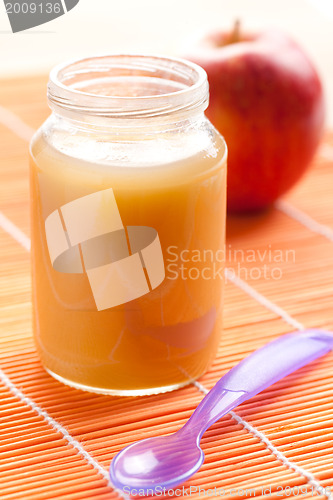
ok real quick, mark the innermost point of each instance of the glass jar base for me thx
(119, 392)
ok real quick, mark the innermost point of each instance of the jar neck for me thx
(129, 92)
(128, 128)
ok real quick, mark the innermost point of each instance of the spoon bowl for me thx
(158, 461)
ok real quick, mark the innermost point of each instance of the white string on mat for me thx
(56, 426)
(15, 124)
(310, 478)
(243, 285)
(10, 120)
(15, 232)
(305, 219)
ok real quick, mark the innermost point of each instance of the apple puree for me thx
(162, 339)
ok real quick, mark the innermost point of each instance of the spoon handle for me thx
(253, 374)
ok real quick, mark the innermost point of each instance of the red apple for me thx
(266, 99)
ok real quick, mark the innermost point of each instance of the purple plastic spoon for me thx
(170, 460)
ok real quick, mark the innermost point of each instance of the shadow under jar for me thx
(128, 193)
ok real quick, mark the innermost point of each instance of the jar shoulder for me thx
(192, 148)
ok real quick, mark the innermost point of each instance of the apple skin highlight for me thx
(267, 100)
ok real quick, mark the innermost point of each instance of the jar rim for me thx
(186, 80)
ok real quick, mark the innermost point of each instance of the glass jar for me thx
(128, 190)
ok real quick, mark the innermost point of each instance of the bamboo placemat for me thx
(57, 443)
